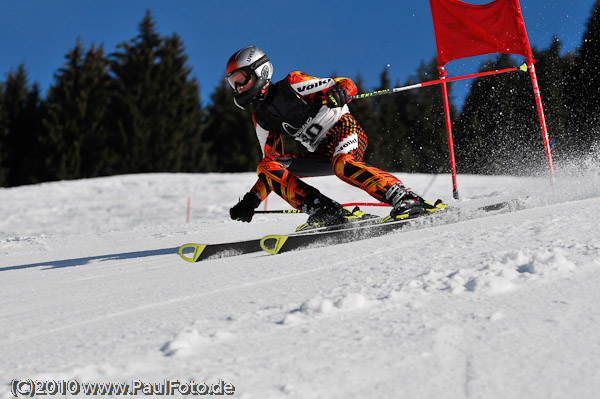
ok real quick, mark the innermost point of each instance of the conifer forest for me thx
(136, 109)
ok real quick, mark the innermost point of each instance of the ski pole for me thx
(298, 211)
(437, 81)
(278, 211)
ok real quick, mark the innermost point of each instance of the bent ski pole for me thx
(437, 81)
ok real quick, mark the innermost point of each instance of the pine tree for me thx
(381, 148)
(181, 97)
(583, 101)
(498, 129)
(228, 135)
(21, 145)
(423, 144)
(156, 107)
(553, 71)
(408, 128)
(77, 116)
(4, 167)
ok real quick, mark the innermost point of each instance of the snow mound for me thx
(190, 340)
(317, 306)
(502, 273)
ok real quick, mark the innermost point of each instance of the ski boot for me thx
(407, 205)
(324, 211)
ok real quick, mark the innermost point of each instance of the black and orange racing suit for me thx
(335, 142)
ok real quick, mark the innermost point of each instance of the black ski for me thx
(198, 252)
(276, 244)
(327, 235)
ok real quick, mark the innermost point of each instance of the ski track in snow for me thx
(500, 306)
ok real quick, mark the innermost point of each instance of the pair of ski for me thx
(332, 235)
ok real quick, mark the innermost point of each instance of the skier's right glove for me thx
(244, 210)
(336, 97)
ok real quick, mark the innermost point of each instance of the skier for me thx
(313, 111)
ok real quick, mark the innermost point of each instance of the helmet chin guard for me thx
(252, 61)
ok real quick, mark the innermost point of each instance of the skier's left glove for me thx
(244, 210)
(336, 97)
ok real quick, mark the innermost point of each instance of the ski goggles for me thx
(242, 76)
(239, 77)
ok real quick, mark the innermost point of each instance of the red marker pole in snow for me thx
(540, 108)
(495, 27)
(188, 209)
(443, 74)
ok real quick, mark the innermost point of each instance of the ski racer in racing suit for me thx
(314, 111)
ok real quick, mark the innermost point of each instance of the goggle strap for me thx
(259, 62)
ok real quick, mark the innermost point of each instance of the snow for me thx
(504, 306)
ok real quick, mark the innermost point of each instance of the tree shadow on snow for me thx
(59, 264)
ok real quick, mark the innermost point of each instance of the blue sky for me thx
(322, 38)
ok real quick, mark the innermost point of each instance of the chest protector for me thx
(284, 111)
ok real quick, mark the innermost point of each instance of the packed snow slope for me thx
(502, 306)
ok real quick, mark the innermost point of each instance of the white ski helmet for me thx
(249, 61)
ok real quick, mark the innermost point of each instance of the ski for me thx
(276, 244)
(328, 235)
(199, 252)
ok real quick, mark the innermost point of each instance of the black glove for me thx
(336, 97)
(244, 210)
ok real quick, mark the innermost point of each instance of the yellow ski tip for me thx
(197, 248)
(273, 247)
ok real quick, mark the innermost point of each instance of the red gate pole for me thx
(540, 107)
(443, 75)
